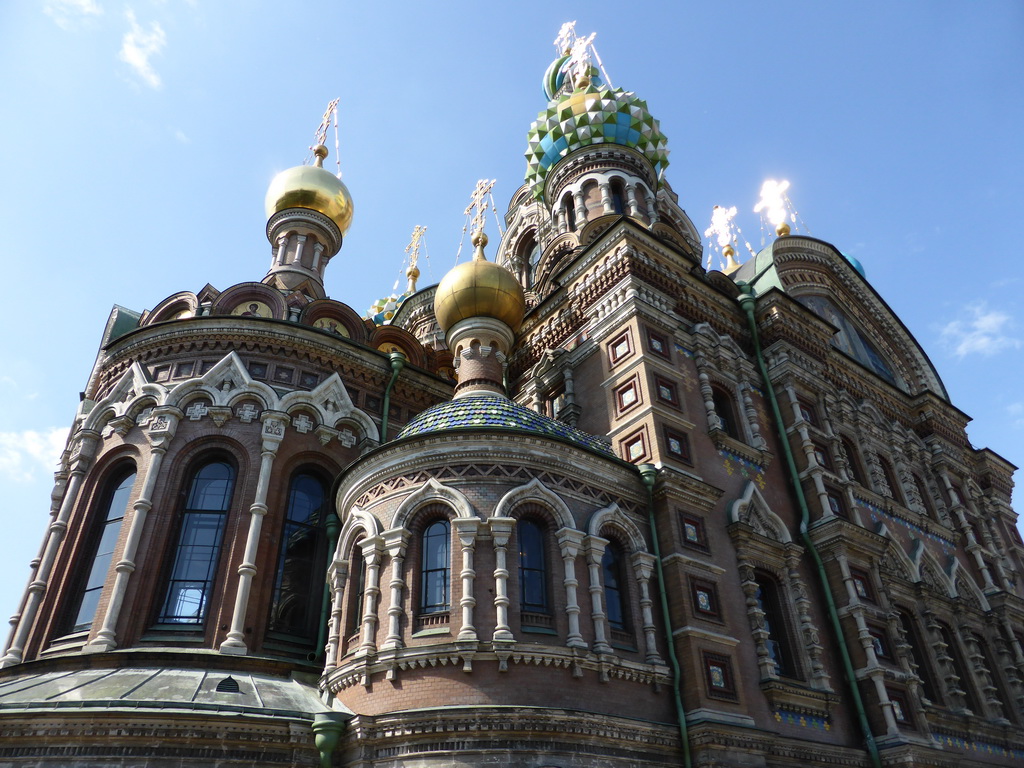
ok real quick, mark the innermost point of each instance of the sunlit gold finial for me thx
(781, 229)
(731, 265)
(320, 151)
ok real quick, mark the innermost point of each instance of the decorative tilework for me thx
(944, 740)
(802, 719)
(496, 412)
(877, 515)
(748, 469)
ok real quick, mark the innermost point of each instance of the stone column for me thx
(337, 574)
(631, 204)
(273, 434)
(372, 549)
(395, 543)
(644, 562)
(160, 433)
(83, 449)
(569, 543)
(466, 527)
(606, 197)
(595, 547)
(501, 532)
(581, 208)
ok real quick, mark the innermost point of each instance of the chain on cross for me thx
(478, 201)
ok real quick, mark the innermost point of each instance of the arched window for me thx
(726, 412)
(924, 669)
(618, 197)
(533, 579)
(435, 587)
(299, 583)
(570, 211)
(614, 588)
(853, 461)
(780, 648)
(960, 670)
(199, 539)
(113, 506)
(357, 592)
(890, 479)
(926, 497)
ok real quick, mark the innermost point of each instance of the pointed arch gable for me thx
(538, 493)
(967, 590)
(428, 492)
(896, 561)
(223, 384)
(933, 574)
(614, 517)
(133, 385)
(357, 521)
(332, 404)
(752, 509)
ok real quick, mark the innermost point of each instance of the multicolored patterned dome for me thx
(591, 114)
(485, 412)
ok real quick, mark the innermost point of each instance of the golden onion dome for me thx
(312, 187)
(479, 288)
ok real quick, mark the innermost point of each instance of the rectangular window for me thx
(880, 642)
(634, 447)
(821, 455)
(627, 395)
(862, 585)
(658, 344)
(667, 391)
(704, 597)
(807, 412)
(899, 707)
(835, 503)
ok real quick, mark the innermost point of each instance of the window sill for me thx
(432, 632)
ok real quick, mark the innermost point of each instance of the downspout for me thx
(333, 526)
(649, 476)
(746, 301)
(397, 364)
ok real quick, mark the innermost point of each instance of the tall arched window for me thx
(960, 670)
(614, 587)
(618, 197)
(726, 411)
(435, 588)
(113, 506)
(298, 586)
(533, 578)
(917, 655)
(199, 540)
(780, 648)
(570, 212)
(357, 593)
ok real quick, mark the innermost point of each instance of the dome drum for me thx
(598, 161)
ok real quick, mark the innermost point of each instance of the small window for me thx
(435, 588)
(694, 534)
(807, 412)
(780, 648)
(618, 197)
(704, 597)
(614, 587)
(619, 348)
(658, 344)
(822, 457)
(862, 585)
(718, 675)
(880, 642)
(900, 711)
(667, 391)
(533, 578)
(570, 212)
(677, 445)
(726, 411)
(836, 504)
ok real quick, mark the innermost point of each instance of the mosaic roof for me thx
(497, 412)
(593, 114)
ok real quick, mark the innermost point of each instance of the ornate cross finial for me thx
(325, 121)
(413, 248)
(566, 35)
(478, 200)
(579, 57)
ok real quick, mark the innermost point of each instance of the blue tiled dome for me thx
(496, 412)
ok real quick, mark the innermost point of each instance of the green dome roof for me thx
(497, 412)
(593, 114)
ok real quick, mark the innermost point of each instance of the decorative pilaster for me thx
(501, 532)
(595, 547)
(272, 434)
(643, 563)
(395, 543)
(569, 543)
(371, 549)
(337, 575)
(466, 528)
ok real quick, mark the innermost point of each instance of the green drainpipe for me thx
(333, 526)
(649, 475)
(397, 364)
(746, 301)
(327, 728)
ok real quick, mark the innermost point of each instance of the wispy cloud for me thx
(24, 456)
(139, 45)
(180, 136)
(67, 14)
(983, 331)
(1016, 411)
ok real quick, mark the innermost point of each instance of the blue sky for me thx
(138, 140)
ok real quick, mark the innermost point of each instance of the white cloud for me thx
(180, 136)
(984, 331)
(24, 455)
(138, 46)
(66, 14)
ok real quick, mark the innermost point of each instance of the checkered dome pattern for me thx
(587, 116)
(487, 412)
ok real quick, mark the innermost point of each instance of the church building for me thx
(585, 503)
